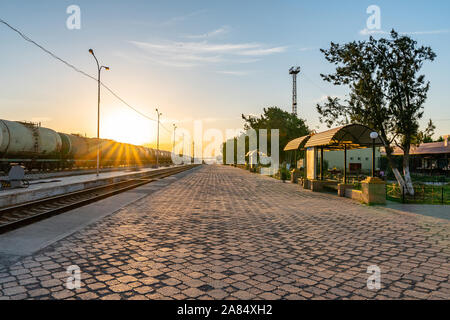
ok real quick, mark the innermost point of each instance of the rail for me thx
(26, 213)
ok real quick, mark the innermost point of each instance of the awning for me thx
(296, 143)
(353, 136)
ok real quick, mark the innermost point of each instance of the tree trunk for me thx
(397, 174)
(406, 174)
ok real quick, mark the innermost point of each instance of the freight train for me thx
(36, 147)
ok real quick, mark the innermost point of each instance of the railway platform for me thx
(52, 186)
(219, 232)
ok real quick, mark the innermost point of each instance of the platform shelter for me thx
(347, 137)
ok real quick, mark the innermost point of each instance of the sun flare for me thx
(124, 126)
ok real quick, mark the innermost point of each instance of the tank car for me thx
(36, 147)
(29, 144)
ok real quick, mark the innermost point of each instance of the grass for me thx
(426, 194)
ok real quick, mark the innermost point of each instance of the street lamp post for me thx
(98, 109)
(157, 140)
(182, 150)
(373, 136)
(174, 128)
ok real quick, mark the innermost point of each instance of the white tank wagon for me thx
(41, 148)
(19, 140)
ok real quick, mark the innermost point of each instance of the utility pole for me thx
(157, 140)
(294, 71)
(174, 128)
(182, 150)
(98, 109)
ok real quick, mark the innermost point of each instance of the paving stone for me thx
(223, 233)
(14, 290)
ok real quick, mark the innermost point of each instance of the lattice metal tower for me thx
(294, 71)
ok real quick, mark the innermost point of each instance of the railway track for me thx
(38, 175)
(26, 213)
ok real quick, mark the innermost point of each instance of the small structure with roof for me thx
(352, 136)
(294, 147)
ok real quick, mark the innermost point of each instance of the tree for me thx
(386, 91)
(426, 135)
(289, 125)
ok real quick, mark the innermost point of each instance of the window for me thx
(367, 159)
(351, 158)
(359, 158)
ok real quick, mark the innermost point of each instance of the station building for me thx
(428, 158)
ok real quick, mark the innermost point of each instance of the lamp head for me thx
(106, 68)
(373, 135)
(91, 51)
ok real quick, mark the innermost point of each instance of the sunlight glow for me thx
(124, 126)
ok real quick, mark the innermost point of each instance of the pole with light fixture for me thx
(373, 136)
(182, 150)
(157, 140)
(174, 128)
(98, 109)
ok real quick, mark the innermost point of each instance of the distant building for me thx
(433, 157)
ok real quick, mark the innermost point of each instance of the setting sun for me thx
(124, 126)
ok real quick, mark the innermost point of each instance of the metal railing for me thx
(422, 194)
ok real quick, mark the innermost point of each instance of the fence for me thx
(422, 194)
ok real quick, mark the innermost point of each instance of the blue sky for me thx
(210, 60)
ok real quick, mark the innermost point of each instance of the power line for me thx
(165, 128)
(314, 84)
(74, 68)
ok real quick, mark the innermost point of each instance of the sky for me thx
(195, 60)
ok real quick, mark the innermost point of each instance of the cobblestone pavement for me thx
(223, 233)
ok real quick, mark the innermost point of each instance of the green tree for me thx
(426, 135)
(386, 91)
(289, 126)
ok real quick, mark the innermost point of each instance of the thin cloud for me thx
(195, 53)
(233, 73)
(427, 32)
(366, 32)
(214, 33)
(177, 19)
(308, 49)
(263, 52)
(194, 47)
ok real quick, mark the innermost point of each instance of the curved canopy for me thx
(296, 143)
(352, 136)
